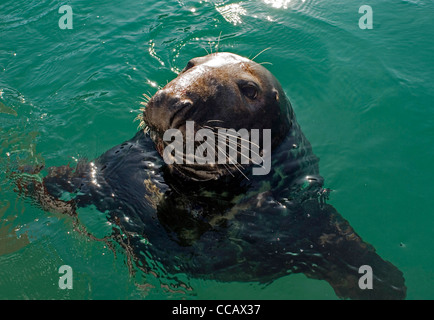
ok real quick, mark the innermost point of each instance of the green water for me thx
(364, 99)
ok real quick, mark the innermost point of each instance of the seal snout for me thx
(165, 110)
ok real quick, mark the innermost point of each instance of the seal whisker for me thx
(253, 59)
(139, 117)
(241, 138)
(248, 158)
(224, 151)
(251, 151)
(142, 124)
(224, 164)
(235, 164)
(218, 42)
(215, 120)
(231, 135)
(147, 97)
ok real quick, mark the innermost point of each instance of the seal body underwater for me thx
(221, 221)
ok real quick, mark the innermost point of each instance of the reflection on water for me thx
(278, 3)
(232, 12)
(9, 240)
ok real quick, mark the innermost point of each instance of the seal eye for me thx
(249, 90)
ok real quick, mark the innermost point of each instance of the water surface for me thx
(364, 99)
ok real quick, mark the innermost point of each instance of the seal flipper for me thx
(343, 252)
(49, 192)
(64, 188)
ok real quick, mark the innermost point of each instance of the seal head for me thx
(219, 91)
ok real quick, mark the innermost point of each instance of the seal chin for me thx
(195, 171)
(199, 172)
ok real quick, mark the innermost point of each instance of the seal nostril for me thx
(186, 104)
(276, 94)
(158, 98)
(181, 107)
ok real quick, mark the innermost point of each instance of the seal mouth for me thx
(195, 171)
